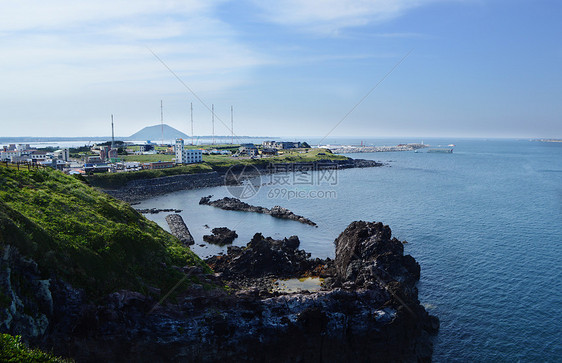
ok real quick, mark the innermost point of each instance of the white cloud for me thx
(60, 14)
(58, 46)
(330, 16)
(64, 62)
(83, 60)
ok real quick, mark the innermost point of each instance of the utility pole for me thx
(112, 134)
(162, 121)
(213, 121)
(192, 136)
(232, 124)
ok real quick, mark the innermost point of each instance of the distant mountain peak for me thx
(154, 133)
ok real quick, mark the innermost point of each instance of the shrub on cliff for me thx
(86, 237)
(13, 350)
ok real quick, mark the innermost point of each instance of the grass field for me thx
(147, 158)
(288, 156)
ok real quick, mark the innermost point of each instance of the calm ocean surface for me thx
(485, 224)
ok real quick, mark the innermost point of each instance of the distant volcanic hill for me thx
(155, 133)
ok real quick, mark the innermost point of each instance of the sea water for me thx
(485, 224)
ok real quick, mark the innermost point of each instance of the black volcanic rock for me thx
(365, 252)
(221, 236)
(265, 257)
(284, 213)
(236, 204)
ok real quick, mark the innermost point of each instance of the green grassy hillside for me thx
(86, 237)
(12, 349)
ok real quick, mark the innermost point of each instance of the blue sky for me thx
(290, 68)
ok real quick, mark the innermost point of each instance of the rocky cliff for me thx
(367, 309)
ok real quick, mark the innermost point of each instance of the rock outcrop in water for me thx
(236, 204)
(366, 254)
(221, 236)
(367, 311)
(264, 257)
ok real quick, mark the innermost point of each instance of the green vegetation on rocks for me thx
(12, 349)
(86, 237)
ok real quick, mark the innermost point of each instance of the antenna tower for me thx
(232, 125)
(192, 123)
(112, 134)
(162, 121)
(213, 121)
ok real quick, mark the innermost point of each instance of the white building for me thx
(39, 155)
(53, 163)
(62, 154)
(10, 155)
(187, 156)
(22, 147)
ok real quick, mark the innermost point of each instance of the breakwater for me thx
(347, 149)
(179, 229)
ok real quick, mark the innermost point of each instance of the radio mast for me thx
(232, 124)
(213, 121)
(112, 134)
(192, 137)
(162, 121)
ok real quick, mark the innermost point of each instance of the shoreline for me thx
(142, 189)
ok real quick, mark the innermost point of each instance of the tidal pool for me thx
(295, 285)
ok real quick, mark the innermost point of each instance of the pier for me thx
(347, 149)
